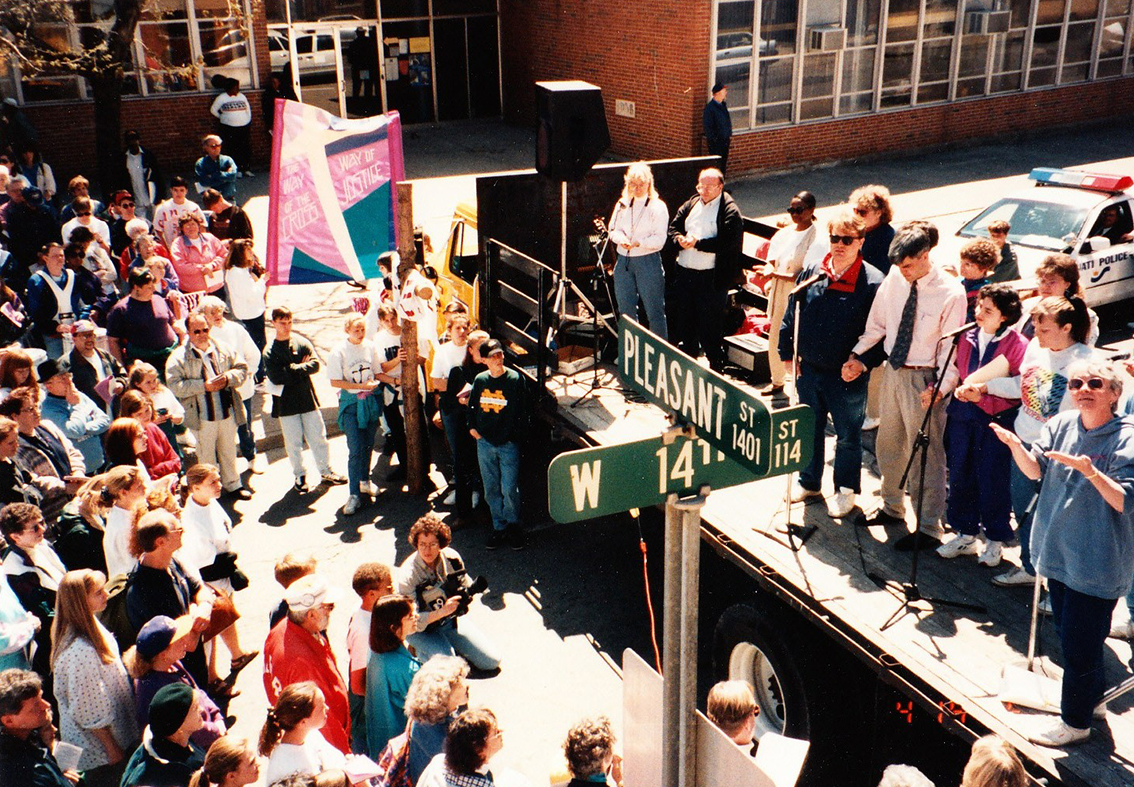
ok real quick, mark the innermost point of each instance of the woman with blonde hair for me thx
(438, 691)
(994, 763)
(353, 368)
(638, 231)
(290, 737)
(168, 411)
(123, 490)
(230, 762)
(96, 701)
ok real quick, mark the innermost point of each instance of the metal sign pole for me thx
(682, 588)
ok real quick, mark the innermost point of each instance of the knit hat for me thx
(169, 708)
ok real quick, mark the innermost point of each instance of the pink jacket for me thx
(193, 260)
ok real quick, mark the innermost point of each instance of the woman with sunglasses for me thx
(1083, 535)
(872, 203)
(786, 253)
(125, 210)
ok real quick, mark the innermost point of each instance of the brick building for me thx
(809, 80)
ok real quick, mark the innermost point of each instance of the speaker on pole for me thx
(571, 131)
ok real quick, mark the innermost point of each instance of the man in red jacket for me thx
(297, 650)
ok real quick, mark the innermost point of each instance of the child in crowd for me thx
(371, 582)
(1007, 269)
(288, 569)
(978, 260)
(168, 411)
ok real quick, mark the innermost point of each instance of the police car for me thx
(1085, 215)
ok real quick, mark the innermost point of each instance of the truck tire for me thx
(752, 646)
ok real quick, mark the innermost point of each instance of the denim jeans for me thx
(465, 464)
(500, 472)
(244, 433)
(456, 639)
(307, 426)
(643, 277)
(1083, 623)
(825, 393)
(1023, 491)
(360, 448)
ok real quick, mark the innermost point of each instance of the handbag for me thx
(224, 614)
(393, 765)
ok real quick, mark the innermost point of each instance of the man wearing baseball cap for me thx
(297, 650)
(497, 418)
(91, 365)
(73, 412)
(167, 757)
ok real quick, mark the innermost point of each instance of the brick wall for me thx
(652, 52)
(656, 54)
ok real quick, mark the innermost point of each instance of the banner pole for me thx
(415, 473)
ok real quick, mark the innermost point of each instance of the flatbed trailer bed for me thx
(947, 661)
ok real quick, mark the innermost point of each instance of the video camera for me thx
(457, 584)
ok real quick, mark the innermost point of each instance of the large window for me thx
(790, 61)
(179, 45)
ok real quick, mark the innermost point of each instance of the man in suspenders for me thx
(53, 300)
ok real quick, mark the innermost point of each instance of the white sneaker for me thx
(800, 493)
(1014, 577)
(870, 424)
(367, 488)
(1123, 630)
(256, 464)
(842, 504)
(451, 498)
(1059, 734)
(475, 499)
(959, 545)
(991, 554)
(353, 503)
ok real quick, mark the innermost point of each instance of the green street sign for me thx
(594, 482)
(725, 416)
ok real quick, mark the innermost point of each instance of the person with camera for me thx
(435, 576)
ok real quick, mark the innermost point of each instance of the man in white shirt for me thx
(709, 232)
(167, 215)
(84, 217)
(234, 112)
(916, 305)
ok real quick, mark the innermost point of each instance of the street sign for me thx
(724, 415)
(594, 482)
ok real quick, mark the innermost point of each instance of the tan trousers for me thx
(778, 293)
(900, 405)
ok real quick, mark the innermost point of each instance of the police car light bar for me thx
(1082, 180)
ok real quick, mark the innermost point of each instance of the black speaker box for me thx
(571, 131)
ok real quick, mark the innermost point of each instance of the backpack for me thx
(114, 617)
(393, 765)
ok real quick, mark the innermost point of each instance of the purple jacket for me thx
(1011, 345)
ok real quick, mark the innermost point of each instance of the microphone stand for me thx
(801, 531)
(598, 277)
(909, 589)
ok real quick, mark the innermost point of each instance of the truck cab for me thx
(459, 264)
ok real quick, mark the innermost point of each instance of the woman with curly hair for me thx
(474, 738)
(438, 692)
(589, 749)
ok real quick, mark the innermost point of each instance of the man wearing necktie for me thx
(916, 305)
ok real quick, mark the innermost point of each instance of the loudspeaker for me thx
(571, 132)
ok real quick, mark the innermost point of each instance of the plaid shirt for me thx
(468, 780)
(33, 460)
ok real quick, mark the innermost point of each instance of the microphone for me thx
(807, 283)
(959, 331)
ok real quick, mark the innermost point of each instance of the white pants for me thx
(309, 426)
(216, 445)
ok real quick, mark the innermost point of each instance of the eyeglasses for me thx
(1094, 383)
(198, 331)
(862, 211)
(126, 205)
(795, 210)
(846, 240)
(213, 145)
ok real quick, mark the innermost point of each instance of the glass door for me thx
(407, 69)
(336, 65)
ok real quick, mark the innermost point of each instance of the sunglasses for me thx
(795, 210)
(1094, 383)
(198, 331)
(126, 205)
(82, 213)
(846, 240)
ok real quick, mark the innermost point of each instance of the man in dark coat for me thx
(708, 232)
(718, 124)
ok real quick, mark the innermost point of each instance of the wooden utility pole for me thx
(411, 397)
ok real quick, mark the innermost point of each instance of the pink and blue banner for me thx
(332, 198)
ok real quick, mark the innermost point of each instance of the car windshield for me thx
(1041, 225)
